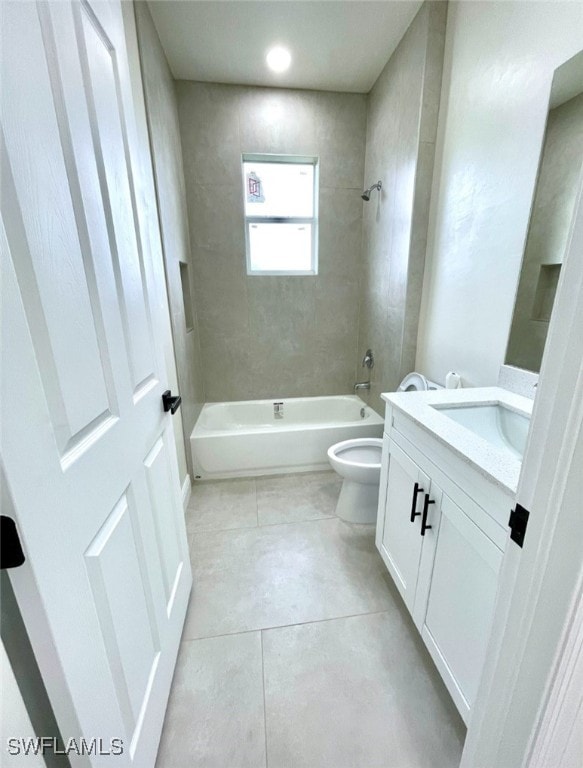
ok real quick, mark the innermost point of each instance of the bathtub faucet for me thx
(361, 385)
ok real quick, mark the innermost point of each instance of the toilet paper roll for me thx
(453, 380)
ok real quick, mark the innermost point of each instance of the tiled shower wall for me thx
(400, 147)
(270, 336)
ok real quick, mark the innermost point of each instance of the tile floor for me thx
(297, 651)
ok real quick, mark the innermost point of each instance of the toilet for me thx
(359, 463)
(416, 382)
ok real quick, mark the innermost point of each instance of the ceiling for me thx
(335, 45)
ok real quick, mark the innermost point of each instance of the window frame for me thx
(269, 159)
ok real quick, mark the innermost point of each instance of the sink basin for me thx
(500, 426)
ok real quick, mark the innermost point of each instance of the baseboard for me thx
(186, 491)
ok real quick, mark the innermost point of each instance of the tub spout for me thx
(361, 385)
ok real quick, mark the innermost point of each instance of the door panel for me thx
(159, 480)
(39, 213)
(459, 610)
(88, 452)
(111, 145)
(121, 604)
(401, 541)
(426, 563)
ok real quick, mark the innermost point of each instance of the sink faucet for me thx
(361, 385)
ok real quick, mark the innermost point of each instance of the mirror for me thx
(555, 193)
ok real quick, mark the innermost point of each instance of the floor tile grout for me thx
(282, 626)
(274, 525)
(267, 525)
(264, 704)
(218, 530)
(296, 522)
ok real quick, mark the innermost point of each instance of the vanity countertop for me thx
(493, 462)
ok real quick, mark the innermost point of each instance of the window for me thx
(281, 214)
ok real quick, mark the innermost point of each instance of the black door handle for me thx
(426, 503)
(11, 553)
(416, 490)
(170, 403)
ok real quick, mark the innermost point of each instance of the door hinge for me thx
(11, 554)
(518, 523)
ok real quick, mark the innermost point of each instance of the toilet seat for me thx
(414, 382)
(358, 459)
(361, 452)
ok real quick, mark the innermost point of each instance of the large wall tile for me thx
(340, 232)
(216, 216)
(341, 137)
(276, 121)
(210, 135)
(223, 354)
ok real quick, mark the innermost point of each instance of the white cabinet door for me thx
(460, 605)
(87, 451)
(399, 537)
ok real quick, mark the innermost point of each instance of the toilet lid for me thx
(413, 382)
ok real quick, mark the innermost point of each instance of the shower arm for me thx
(366, 194)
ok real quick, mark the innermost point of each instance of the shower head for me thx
(366, 194)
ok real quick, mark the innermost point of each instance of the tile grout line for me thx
(283, 626)
(264, 704)
(297, 522)
(274, 525)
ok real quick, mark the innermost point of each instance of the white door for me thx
(399, 537)
(88, 452)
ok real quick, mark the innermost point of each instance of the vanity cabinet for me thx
(442, 549)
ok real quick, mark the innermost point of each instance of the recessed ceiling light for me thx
(278, 59)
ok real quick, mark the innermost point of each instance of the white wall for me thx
(499, 62)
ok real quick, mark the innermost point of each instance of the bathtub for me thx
(245, 439)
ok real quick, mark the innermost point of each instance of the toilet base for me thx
(358, 502)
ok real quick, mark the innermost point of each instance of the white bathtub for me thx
(244, 439)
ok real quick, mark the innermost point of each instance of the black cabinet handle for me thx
(426, 503)
(416, 490)
(171, 403)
